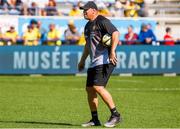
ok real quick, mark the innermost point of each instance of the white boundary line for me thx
(135, 89)
(148, 89)
(72, 80)
(126, 80)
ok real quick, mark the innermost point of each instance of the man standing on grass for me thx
(103, 61)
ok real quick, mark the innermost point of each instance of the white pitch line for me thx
(148, 89)
(130, 81)
(68, 80)
(134, 89)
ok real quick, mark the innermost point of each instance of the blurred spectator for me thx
(149, 26)
(146, 36)
(11, 36)
(32, 10)
(42, 31)
(103, 10)
(131, 37)
(168, 38)
(123, 1)
(118, 10)
(1, 38)
(82, 40)
(71, 34)
(79, 4)
(75, 11)
(15, 7)
(3, 2)
(36, 31)
(40, 3)
(140, 3)
(36, 7)
(3, 6)
(143, 12)
(131, 9)
(51, 8)
(29, 37)
(53, 36)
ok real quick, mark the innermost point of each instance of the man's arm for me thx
(141, 38)
(115, 40)
(83, 58)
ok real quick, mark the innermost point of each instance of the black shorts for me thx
(99, 75)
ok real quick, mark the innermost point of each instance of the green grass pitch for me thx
(60, 101)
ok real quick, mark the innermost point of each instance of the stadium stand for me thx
(164, 8)
(157, 10)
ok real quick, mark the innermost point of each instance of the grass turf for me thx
(60, 101)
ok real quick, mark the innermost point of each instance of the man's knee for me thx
(98, 89)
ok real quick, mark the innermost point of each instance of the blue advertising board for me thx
(61, 24)
(64, 59)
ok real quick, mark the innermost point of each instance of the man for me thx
(71, 34)
(146, 35)
(131, 37)
(30, 37)
(75, 11)
(53, 36)
(103, 61)
(168, 38)
(11, 36)
(131, 9)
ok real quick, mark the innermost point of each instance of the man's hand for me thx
(81, 66)
(113, 58)
(148, 40)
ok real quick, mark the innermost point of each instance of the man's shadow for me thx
(37, 122)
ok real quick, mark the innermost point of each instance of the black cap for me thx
(88, 5)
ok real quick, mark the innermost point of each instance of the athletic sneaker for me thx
(113, 121)
(91, 123)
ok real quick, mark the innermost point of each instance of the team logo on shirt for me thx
(94, 28)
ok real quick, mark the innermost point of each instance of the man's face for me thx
(130, 29)
(88, 13)
(30, 29)
(12, 29)
(145, 29)
(51, 27)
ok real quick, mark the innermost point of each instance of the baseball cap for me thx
(88, 5)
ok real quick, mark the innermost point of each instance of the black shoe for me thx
(113, 121)
(91, 123)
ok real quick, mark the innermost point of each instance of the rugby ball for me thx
(106, 40)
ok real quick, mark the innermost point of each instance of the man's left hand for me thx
(113, 58)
